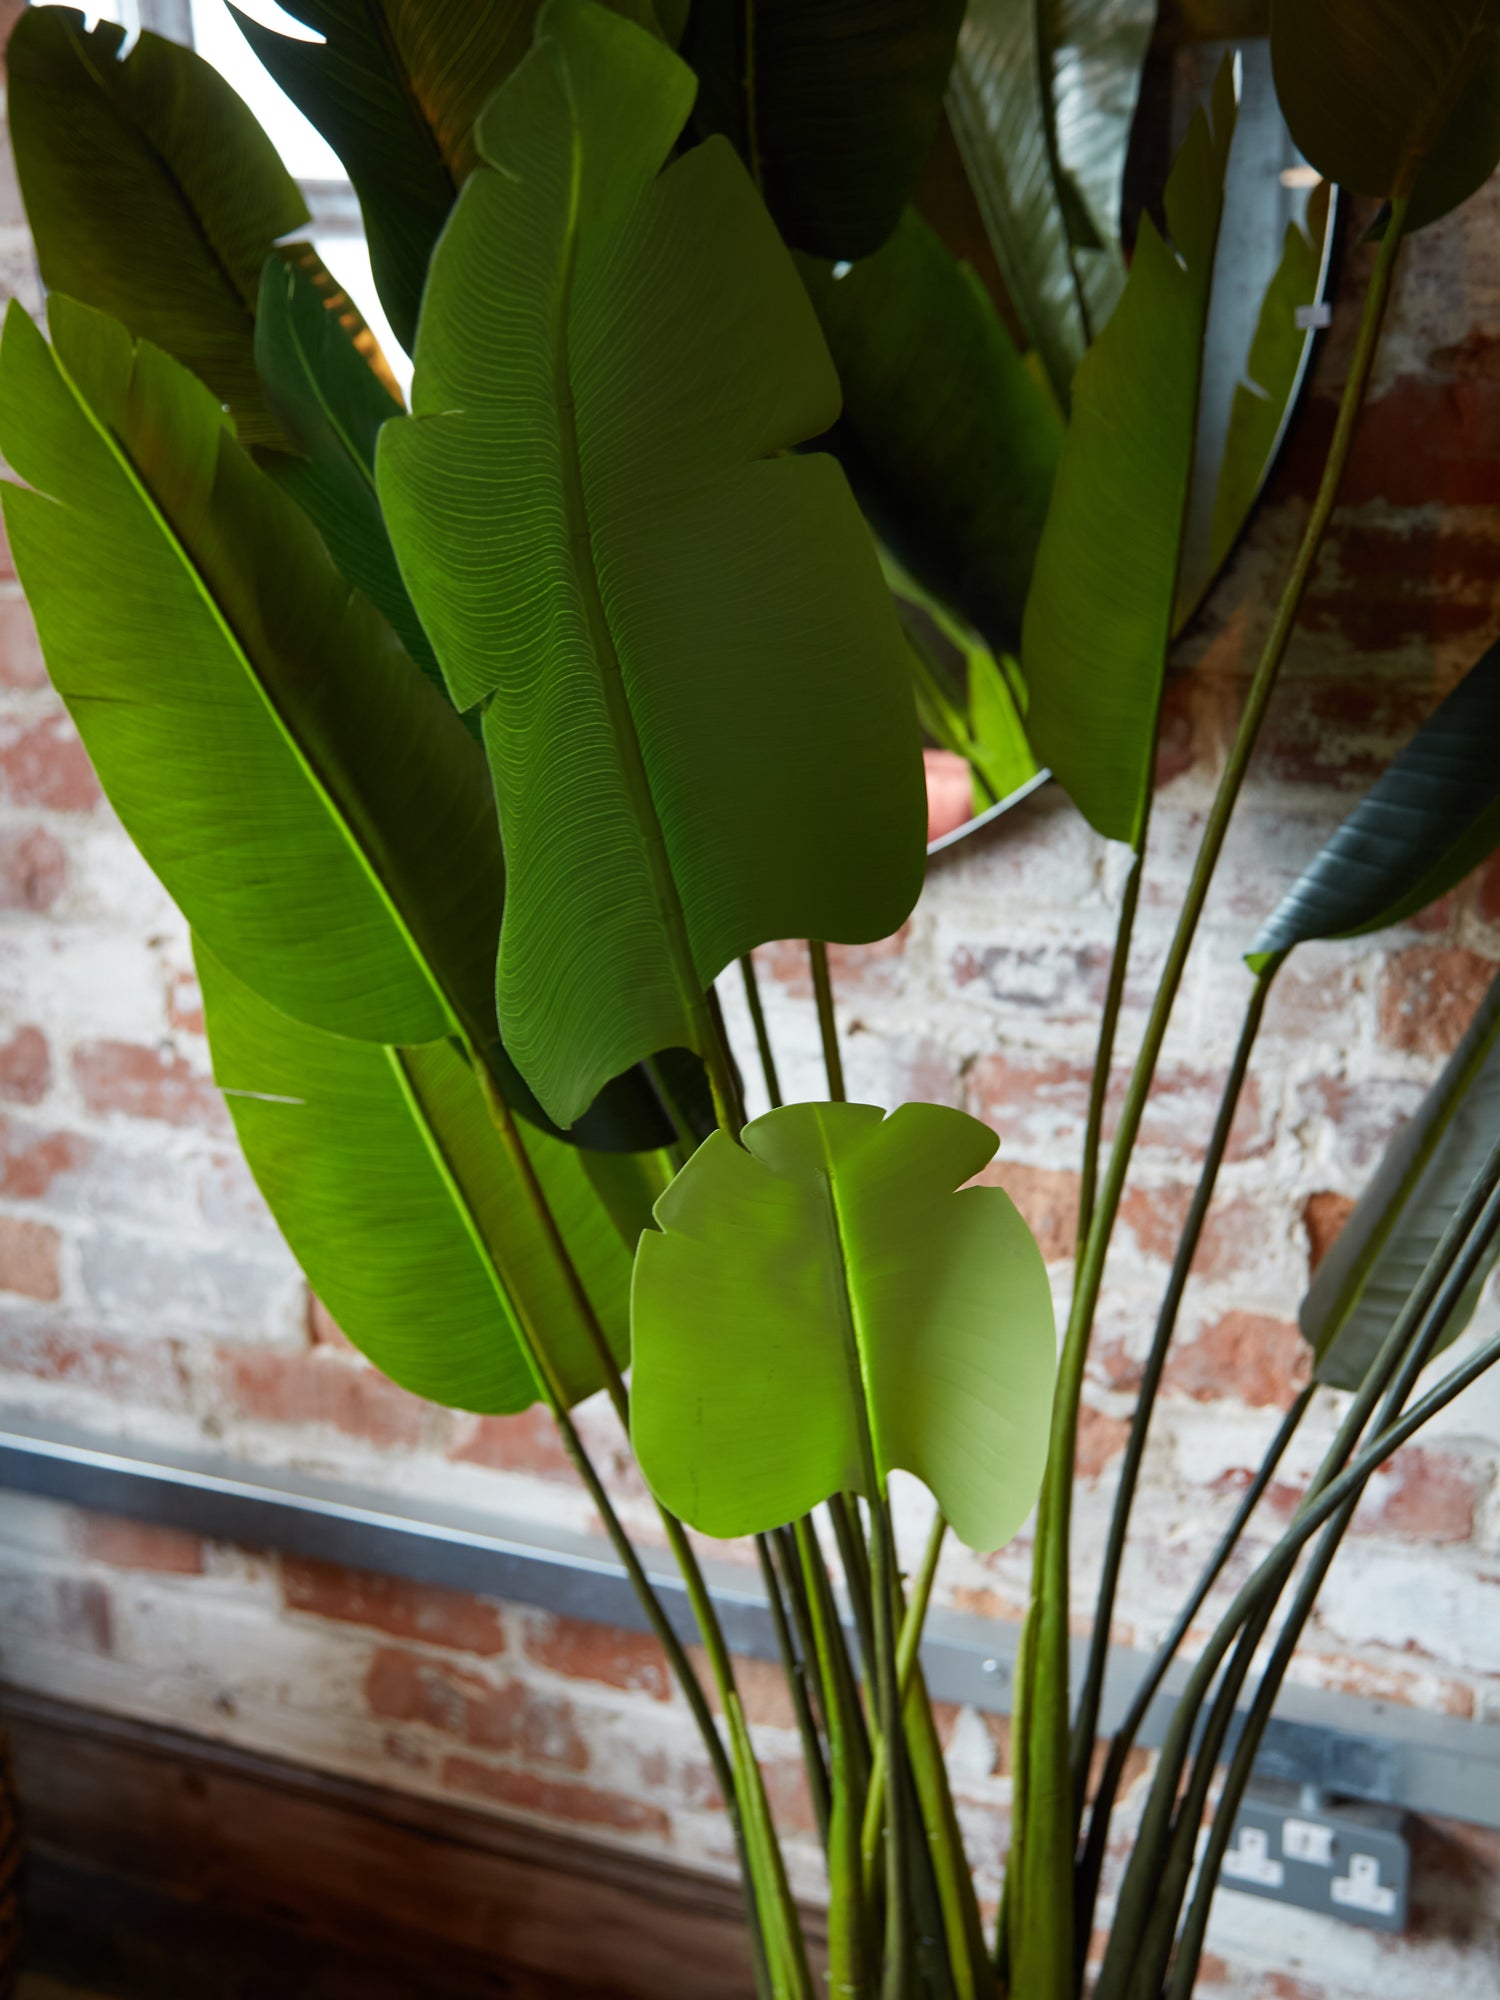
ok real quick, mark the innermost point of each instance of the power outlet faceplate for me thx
(1348, 1860)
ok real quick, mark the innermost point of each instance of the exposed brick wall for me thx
(145, 1294)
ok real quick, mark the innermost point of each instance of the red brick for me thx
(33, 869)
(1244, 1357)
(1044, 1100)
(762, 1690)
(397, 1605)
(868, 967)
(505, 1716)
(1156, 1216)
(185, 1003)
(1282, 1986)
(145, 1083)
(322, 1328)
(1423, 1494)
(321, 1387)
(148, 1545)
(30, 1162)
(587, 1652)
(84, 1614)
(1424, 441)
(1428, 994)
(25, 1067)
(1323, 1216)
(785, 1780)
(526, 1443)
(138, 1371)
(577, 1805)
(1061, 982)
(1101, 1439)
(1375, 1681)
(1488, 890)
(1179, 1115)
(21, 664)
(28, 1258)
(44, 764)
(1047, 1198)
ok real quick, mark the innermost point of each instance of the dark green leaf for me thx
(697, 706)
(1421, 827)
(1099, 618)
(822, 1308)
(331, 404)
(1042, 98)
(398, 1200)
(316, 810)
(395, 87)
(151, 193)
(1381, 1251)
(1393, 97)
(831, 103)
(948, 441)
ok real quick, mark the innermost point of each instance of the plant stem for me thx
(899, 1955)
(1142, 1896)
(794, 1671)
(1086, 1723)
(1119, 967)
(1091, 1864)
(908, 1645)
(1042, 1946)
(833, 1062)
(762, 1032)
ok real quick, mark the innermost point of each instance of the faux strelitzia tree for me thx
(476, 742)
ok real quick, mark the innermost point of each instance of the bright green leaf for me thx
(1041, 102)
(1424, 823)
(1381, 1251)
(151, 194)
(832, 104)
(1393, 98)
(948, 440)
(392, 1187)
(821, 1308)
(1099, 618)
(999, 750)
(315, 809)
(696, 697)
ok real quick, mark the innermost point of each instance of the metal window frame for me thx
(1346, 1745)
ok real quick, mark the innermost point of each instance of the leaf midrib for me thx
(240, 652)
(853, 1331)
(611, 677)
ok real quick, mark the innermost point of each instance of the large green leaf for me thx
(1099, 617)
(313, 806)
(390, 1183)
(331, 404)
(1421, 827)
(948, 440)
(1393, 97)
(1381, 1251)
(696, 699)
(395, 87)
(151, 193)
(1041, 102)
(831, 103)
(821, 1308)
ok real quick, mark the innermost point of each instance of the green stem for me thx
(899, 1944)
(1141, 1896)
(1119, 967)
(795, 1673)
(1042, 1945)
(762, 1032)
(1086, 1723)
(833, 1061)
(1091, 1864)
(908, 1645)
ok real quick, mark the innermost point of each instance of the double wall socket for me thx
(1298, 1846)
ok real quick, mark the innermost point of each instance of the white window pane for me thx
(215, 36)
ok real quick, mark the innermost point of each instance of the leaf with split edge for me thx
(948, 440)
(392, 1188)
(820, 1300)
(832, 104)
(1028, 76)
(1392, 99)
(1424, 824)
(1099, 617)
(1380, 1253)
(310, 803)
(151, 193)
(614, 554)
